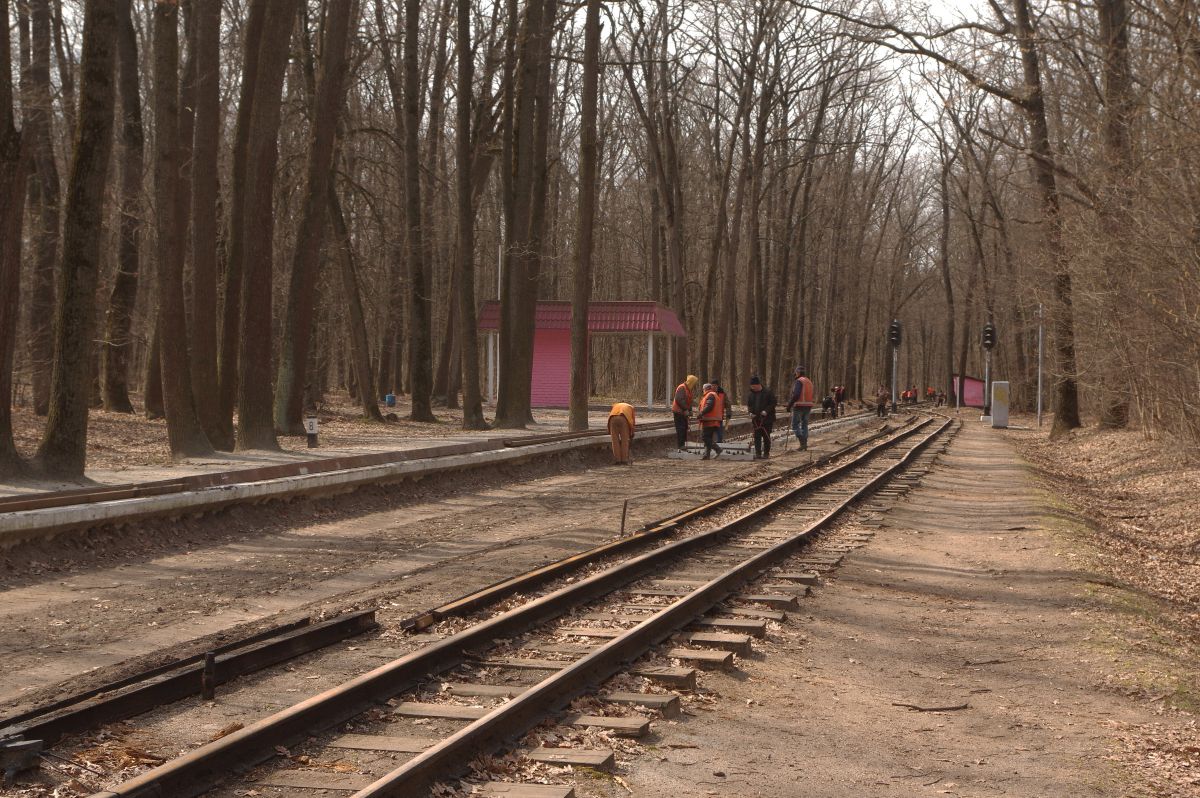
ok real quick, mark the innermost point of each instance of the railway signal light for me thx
(989, 336)
(894, 333)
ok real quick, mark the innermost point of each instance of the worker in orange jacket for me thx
(712, 413)
(621, 423)
(681, 407)
(800, 404)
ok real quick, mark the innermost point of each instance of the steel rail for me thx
(516, 717)
(654, 530)
(198, 770)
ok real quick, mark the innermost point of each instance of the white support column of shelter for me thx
(650, 370)
(491, 367)
(670, 370)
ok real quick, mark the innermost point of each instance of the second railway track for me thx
(503, 675)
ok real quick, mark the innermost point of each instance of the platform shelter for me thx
(552, 343)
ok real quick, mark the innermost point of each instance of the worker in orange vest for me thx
(800, 403)
(681, 408)
(712, 413)
(621, 422)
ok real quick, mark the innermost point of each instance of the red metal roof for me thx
(603, 317)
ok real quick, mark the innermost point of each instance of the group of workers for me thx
(714, 410)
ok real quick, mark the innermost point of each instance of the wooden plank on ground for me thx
(803, 577)
(658, 591)
(528, 664)
(668, 704)
(418, 709)
(737, 644)
(622, 727)
(484, 690)
(598, 758)
(682, 678)
(380, 742)
(316, 780)
(779, 601)
(561, 648)
(751, 626)
(702, 657)
(753, 612)
(505, 789)
(586, 632)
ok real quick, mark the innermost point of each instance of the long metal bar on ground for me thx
(515, 717)
(194, 772)
(150, 673)
(186, 682)
(656, 529)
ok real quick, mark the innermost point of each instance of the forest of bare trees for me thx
(222, 212)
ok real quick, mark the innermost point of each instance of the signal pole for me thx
(1041, 322)
(894, 340)
(989, 341)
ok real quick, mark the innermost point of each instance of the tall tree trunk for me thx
(1115, 201)
(12, 210)
(359, 348)
(519, 291)
(184, 433)
(256, 428)
(65, 59)
(944, 266)
(310, 235)
(206, 143)
(231, 310)
(44, 200)
(1066, 386)
(588, 160)
(119, 316)
(64, 445)
(468, 333)
(421, 351)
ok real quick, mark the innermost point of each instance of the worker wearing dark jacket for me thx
(681, 408)
(761, 405)
(712, 411)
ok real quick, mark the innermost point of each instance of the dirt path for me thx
(965, 597)
(415, 545)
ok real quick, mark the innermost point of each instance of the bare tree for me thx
(44, 200)
(464, 155)
(64, 444)
(206, 188)
(184, 433)
(12, 208)
(256, 429)
(310, 234)
(119, 316)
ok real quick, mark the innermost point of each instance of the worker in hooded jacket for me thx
(681, 408)
(712, 413)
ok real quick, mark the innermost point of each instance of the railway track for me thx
(487, 685)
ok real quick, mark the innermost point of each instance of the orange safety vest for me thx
(714, 416)
(675, 408)
(623, 409)
(806, 393)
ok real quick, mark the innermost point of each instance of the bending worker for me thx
(621, 422)
(800, 403)
(681, 408)
(712, 412)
